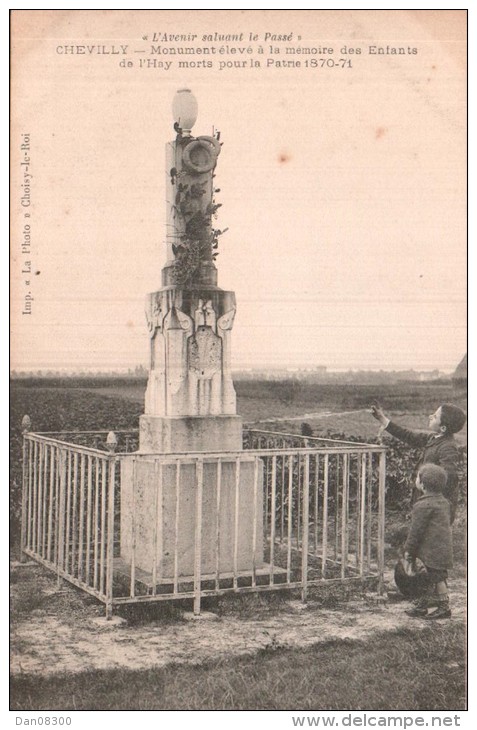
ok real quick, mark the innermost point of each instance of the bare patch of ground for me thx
(58, 631)
(357, 423)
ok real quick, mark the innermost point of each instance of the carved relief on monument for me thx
(154, 314)
(177, 319)
(226, 321)
(204, 353)
(186, 322)
(205, 315)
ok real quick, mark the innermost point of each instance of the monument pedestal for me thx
(159, 515)
(179, 434)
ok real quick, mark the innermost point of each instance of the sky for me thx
(343, 189)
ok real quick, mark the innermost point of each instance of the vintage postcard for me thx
(232, 231)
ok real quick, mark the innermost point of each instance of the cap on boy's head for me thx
(452, 417)
(433, 478)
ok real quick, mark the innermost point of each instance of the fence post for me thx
(157, 482)
(306, 525)
(218, 525)
(290, 516)
(198, 535)
(324, 536)
(362, 509)
(81, 517)
(176, 524)
(61, 517)
(254, 521)
(381, 514)
(369, 514)
(132, 586)
(26, 427)
(273, 515)
(53, 467)
(236, 521)
(344, 516)
(110, 540)
(89, 518)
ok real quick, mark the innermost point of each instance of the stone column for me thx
(190, 400)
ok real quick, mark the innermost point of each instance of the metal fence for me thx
(264, 518)
(68, 511)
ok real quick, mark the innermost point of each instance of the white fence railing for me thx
(68, 511)
(248, 521)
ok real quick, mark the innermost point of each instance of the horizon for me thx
(311, 369)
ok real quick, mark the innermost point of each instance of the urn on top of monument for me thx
(190, 165)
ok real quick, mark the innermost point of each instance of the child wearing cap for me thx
(430, 540)
(440, 446)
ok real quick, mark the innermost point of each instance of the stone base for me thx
(159, 517)
(144, 582)
(179, 434)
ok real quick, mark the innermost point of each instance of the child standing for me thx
(430, 540)
(439, 447)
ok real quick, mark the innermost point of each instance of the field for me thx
(253, 664)
(117, 403)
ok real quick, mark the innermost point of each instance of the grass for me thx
(406, 670)
(418, 669)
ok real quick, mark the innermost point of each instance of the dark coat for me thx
(440, 449)
(430, 536)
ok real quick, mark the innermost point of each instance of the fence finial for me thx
(26, 424)
(111, 441)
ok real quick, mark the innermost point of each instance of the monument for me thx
(190, 402)
(190, 397)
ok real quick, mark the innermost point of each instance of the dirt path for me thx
(315, 416)
(64, 631)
